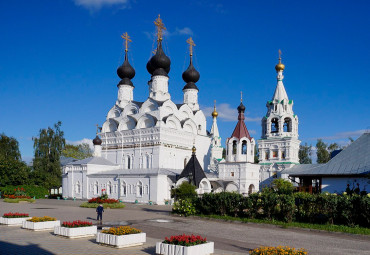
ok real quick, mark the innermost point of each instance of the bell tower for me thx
(279, 145)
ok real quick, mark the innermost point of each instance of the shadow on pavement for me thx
(149, 250)
(31, 249)
(165, 212)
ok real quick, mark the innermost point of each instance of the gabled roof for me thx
(354, 160)
(93, 161)
(193, 169)
(241, 131)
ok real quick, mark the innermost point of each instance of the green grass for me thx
(17, 200)
(105, 205)
(326, 227)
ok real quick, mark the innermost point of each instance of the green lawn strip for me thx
(327, 227)
(17, 200)
(105, 205)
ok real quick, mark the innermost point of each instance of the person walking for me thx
(100, 210)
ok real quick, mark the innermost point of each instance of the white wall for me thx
(339, 184)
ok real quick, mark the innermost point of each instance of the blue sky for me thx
(58, 61)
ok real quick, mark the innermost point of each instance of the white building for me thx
(145, 148)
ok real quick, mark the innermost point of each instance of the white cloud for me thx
(94, 5)
(344, 135)
(228, 113)
(178, 31)
(84, 140)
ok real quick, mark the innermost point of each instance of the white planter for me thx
(121, 241)
(13, 221)
(75, 232)
(171, 249)
(40, 226)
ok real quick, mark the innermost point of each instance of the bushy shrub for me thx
(184, 207)
(184, 191)
(282, 186)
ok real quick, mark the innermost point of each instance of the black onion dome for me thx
(241, 107)
(126, 72)
(190, 76)
(159, 64)
(97, 140)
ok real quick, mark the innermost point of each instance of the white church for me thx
(147, 148)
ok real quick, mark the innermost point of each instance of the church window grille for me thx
(78, 187)
(234, 147)
(109, 188)
(244, 147)
(123, 188)
(275, 125)
(139, 189)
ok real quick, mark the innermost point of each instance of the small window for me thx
(232, 174)
(234, 147)
(267, 155)
(274, 154)
(244, 147)
(199, 127)
(283, 154)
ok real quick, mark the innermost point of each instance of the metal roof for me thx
(93, 161)
(353, 160)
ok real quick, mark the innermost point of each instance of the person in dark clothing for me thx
(100, 210)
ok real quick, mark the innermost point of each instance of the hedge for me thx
(323, 208)
(30, 190)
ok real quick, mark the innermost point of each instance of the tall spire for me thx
(191, 75)
(214, 128)
(280, 93)
(126, 72)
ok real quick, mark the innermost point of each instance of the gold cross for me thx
(191, 45)
(214, 105)
(241, 96)
(97, 128)
(160, 26)
(279, 54)
(127, 39)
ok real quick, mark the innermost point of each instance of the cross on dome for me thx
(191, 45)
(127, 39)
(160, 27)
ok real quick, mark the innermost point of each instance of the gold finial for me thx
(160, 27)
(280, 66)
(127, 39)
(241, 96)
(191, 45)
(194, 149)
(214, 113)
(97, 128)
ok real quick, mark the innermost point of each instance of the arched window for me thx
(275, 125)
(251, 189)
(109, 188)
(96, 188)
(78, 187)
(234, 147)
(244, 147)
(287, 125)
(139, 189)
(123, 188)
(128, 162)
(275, 107)
(283, 154)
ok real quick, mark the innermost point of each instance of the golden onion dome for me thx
(279, 67)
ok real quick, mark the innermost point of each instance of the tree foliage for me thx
(184, 191)
(13, 171)
(80, 151)
(304, 154)
(256, 154)
(322, 153)
(282, 186)
(48, 147)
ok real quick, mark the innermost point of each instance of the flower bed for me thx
(99, 200)
(76, 229)
(14, 219)
(17, 200)
(120, 237)
(106, 206)
(41, 223)
(16, 197)
(280, 250)
(185, 245)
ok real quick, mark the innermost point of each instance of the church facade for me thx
(147, 148)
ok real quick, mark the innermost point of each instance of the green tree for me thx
(282, 186)
(9, 147)
(184, 191)
(13, 171)
(332, 147)
(304, 154)
(48, 147)
(80, 151)
(322, 153)
(224, 153)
